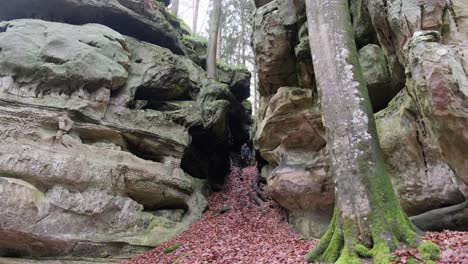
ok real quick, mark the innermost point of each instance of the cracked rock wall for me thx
(413, 55)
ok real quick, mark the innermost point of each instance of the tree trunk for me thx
(196, 5)
(219, 42)
(255, 76)
(243, 34)
(213, 40)
(175, 7)
(368, 220)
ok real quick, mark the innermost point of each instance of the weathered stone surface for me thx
(302, 183)
(421, 178)
(290, 137)
(422, 133)
(273, 46)
(238, 81)
(158, 75)
(375, 70)
(292, 124)
(98, 134)
(134, 18)
(439, 86)
(456, 27)
(78, 66)
(364, 31)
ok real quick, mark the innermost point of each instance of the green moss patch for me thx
(230, 67)
(429, 251)
(172, 248)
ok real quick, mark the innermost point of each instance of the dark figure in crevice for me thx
(245, 156)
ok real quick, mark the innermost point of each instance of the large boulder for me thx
(292, 123)
(107, 141)
(291, 137)
(273, 43)
(136, 18)
(419, 175)
(45, 64)
(238, 80)
(380, 85)
(439, 85)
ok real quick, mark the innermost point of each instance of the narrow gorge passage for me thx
(243, 234)
(122, 124)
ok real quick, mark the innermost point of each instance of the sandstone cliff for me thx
(111, 133)
(413, 55)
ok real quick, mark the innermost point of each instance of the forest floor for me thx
(235, 229)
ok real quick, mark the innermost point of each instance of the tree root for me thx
(256, 186)
(343, 244)
(453, 217)
(258, 201)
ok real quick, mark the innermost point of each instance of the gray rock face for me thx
(439, 84)
(101, 135)
(238, 81)
(379, 82)
(272, 42)
(421, 131)
(42, 60)
(136, 18)
(421, 178)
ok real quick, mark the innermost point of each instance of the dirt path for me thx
(243, 234)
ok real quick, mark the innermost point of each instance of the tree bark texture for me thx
(368, 219)
(213, 40)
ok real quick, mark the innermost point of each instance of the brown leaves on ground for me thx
(243, 234)
(236, 230)
(453, 246)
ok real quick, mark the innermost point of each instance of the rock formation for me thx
(413, 56)
(109, 143)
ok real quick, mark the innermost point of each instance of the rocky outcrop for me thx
(421, 129)
(136, 18)
(273, 46)
(420, 176)
(380, 85)
(439, 85)
(238, 81)
(107, 142)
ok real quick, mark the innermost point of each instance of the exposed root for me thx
(343, 243)
(256, 186)
(258, 201)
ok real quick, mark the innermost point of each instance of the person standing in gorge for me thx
(245, 155)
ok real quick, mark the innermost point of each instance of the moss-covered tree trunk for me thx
(368, 220)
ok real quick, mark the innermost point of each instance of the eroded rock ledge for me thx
(413, 56)
(105, 140)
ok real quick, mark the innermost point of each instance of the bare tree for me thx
(219, 42)
(242, 37)
(175, 7)
(368, 220)
(213, 39)
(196, 6)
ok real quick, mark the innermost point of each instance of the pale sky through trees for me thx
(186, 13)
